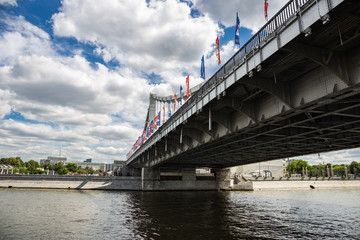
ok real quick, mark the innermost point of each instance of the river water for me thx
(72, 214)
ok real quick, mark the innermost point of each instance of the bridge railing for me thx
(285, 14)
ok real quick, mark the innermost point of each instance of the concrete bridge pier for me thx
(150, 179)
(225, 177)
(157, 179)
(188, 174)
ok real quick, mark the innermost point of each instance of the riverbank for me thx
(296, 184)
(102, 183)
(70, 182)
(139, 184)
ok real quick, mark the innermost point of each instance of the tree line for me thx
(297, 166)
(33, 167)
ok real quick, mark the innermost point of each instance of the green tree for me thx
(339, 170)
(297, 166)
(32, 166)
(72, 167)
(57, 167)
(354, 165)
(65, 171)
(46, 166)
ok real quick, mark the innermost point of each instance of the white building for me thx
(53, 160)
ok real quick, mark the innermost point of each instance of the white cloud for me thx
(8, 2)
(149, 38)
(22, 38)
(251, 12)
(73, 101)
(5, 107)
(111, 150)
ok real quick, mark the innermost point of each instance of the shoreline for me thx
(130, 183)
(297, 184)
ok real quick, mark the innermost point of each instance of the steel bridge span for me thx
(293, 89)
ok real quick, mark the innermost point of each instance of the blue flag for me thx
(202, 71)
(169, 109)
(180, 95)
(237, 34)
(158, 119)
(152, 126)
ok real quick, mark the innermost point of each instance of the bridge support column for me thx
(188, 174)
(149, 178)
(225, 177)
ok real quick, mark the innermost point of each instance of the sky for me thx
(75, 75)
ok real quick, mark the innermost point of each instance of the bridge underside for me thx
(329, 125)
(304, 99)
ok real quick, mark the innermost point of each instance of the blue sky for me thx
(76, 74)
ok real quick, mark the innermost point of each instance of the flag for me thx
(175, 101)
(217, 50)
(187, 86)
(202, 71)
(266, 5)
(158, 119)
(180, 95)
(237, 34)
(169, 109)
(164, 114)
(155, 122)
(152, 127)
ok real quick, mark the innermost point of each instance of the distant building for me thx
(53, 160)
(88, 160)
(94, 166)
(274, 168)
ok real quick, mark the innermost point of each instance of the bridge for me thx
(292, 89)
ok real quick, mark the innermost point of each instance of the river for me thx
(75, 214)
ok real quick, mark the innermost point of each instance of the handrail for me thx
(277, 21)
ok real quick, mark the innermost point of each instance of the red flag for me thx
(266, 5)
(217, 50)
(164, 114)
(187, 86)
(155, 123)
(175, 101)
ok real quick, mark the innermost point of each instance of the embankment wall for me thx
(101, 183)
(300, 184)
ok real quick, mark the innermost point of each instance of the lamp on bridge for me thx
(308, 32)
(251, 73)
(325, 19)
(259, 68)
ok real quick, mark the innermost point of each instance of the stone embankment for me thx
(70, 182)
(296, 184)
(102, 183)
(138, 183)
